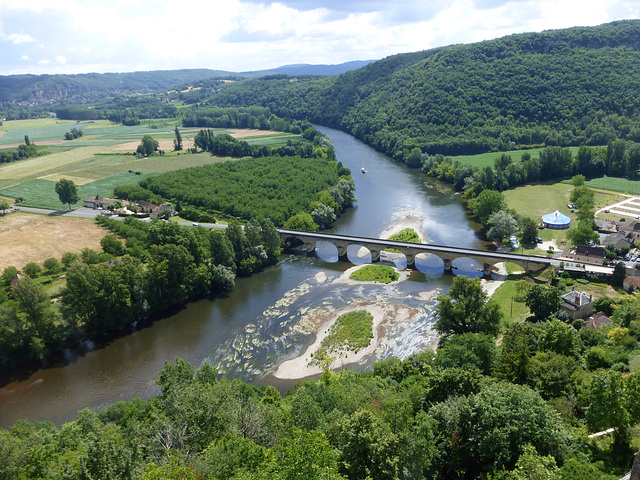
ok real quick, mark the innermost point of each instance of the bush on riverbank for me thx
(375, 273)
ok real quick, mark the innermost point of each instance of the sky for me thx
(83, 36)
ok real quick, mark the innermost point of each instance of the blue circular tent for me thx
(556, 221)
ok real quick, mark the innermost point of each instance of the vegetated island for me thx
(375, 273)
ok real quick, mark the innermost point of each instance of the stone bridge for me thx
(447, 254)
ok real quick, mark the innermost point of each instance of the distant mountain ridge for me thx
(38, 89)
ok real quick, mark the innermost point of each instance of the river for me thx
(264, 320)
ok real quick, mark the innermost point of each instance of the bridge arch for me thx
(467, 266)
(429, 264)
(358, 254)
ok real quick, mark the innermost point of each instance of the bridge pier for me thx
(310, 246)
(487, 270)
(411, 259)
(375, 255)
(447, 264)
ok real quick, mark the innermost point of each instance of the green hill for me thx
(557, 87)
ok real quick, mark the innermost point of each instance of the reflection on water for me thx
(266, 317)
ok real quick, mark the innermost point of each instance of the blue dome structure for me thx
(556, 221)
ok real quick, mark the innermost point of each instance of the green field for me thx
(488, 159)
(92, 162)
(512, 310)
(614, 184)
(41, 193)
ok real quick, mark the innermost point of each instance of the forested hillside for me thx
(559, 87)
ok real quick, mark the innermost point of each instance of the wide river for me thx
(263, 320)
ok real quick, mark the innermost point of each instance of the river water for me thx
(264, 320)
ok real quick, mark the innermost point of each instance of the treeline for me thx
(160, 265)
(226, 146)
(20, 153)
(554, 88)
(270, 187)
(619, 158)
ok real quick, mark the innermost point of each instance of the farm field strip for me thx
(37, 166)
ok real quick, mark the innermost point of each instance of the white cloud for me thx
(238, 35)
(17, 38)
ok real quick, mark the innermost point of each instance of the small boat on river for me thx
(363, 170)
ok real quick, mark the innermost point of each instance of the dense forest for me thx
(272, 187)
(557, 87)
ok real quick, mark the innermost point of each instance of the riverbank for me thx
(384, 315)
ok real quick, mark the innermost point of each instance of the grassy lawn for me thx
(542, 198)
(512, 309)
(41, 193)
(487, 159)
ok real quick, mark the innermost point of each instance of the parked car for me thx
(538, 240)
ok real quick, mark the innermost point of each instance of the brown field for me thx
(166, 144)
(55, 177)
(28, 238)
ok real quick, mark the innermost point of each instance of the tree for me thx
(27, 142)
(501, 224)
(619, 274)
(543, 301)
(69, 258)
(52, 265)
(32, 269)
(302, 222)
(465, 308)
(488, 202)
(528, 230)
(67, 192)
(148, 146)
(583, 234)
(110, 244)
(323, 215)
(4, 205)
(177, 143)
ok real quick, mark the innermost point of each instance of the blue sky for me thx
(81, 36)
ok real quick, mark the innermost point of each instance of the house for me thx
(630, 227)
(163, 211)
(100, 202)
(16, 279)
(597, 320)
(584, 254)
(631, 283)
(146, 207)
(619, 240)
(607, 226)
(577, 304)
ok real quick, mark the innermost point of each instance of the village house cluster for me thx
(110, 206)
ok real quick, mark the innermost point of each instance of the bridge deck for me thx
(422, 247)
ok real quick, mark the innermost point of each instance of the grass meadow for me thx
(41, 193)
(488, 159)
